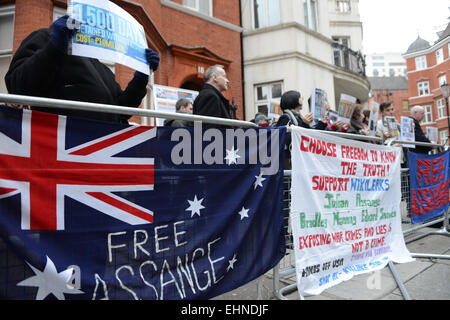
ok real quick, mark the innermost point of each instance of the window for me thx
(423, 88)
(428, 117)
(439, 56)
(441, 108)
(310, 10)
(442, 80)
(343, 6)
(421, 63)
(377, 58)
(375, 73)
(264, 94)
(378, 64)
(443, 136)
(341, 55)
(266, 13)
(203, 6)
(6, 42)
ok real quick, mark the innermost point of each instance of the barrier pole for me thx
(399, 281)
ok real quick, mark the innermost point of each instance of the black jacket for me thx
(40, 69)
(210, 102)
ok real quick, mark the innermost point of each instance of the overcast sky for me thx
(392, 25)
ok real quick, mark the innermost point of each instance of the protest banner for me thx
(346, 107)
(429, 183)
(166, 98)
(373, 117)
(345, 209)
(100, 210)
(407, 131)
(318, 100)
(108, 32)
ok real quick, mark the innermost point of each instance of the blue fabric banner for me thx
(429, 184)
(97, 210)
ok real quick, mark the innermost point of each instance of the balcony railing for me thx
(348, 59)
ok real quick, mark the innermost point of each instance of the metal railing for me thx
(285, 270)
(98, 107)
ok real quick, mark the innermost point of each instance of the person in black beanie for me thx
(41, 67)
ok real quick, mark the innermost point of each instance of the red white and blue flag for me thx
(98, 210)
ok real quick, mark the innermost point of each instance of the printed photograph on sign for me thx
(318, 101)
(407, 131)
(373, 117)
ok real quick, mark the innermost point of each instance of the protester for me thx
(366, 119)
(41, 67)
(210, 101)
(291, 103)
(357, 126)
(417, 114)
(183, 106)
(387, 110)
(261, 120)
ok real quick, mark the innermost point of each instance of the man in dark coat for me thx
(417, 114)
(210, 101)
(41, 67)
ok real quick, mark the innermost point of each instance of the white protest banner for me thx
(345, 209)
(108, 32)
(166, 98)
(407, 131)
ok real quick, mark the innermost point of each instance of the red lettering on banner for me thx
(308, 144)
(442, 167)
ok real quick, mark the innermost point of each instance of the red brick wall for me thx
(30, 16)
(430, 74)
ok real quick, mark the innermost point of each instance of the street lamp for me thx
(445, 89)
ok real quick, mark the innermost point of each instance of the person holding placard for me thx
(41, 67)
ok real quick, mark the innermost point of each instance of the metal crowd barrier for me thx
(286, 268)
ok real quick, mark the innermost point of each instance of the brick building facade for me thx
(428, 67)
(188, 39)
(392, 89)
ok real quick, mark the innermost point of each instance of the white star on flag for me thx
(231, 263)
(50, 281)
(259, 180)
(232, 156)
(243, 213)
(195, 206)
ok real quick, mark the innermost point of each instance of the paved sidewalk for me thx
(423, 279)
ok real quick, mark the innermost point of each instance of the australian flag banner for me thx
(98, 210)
(430, 178)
